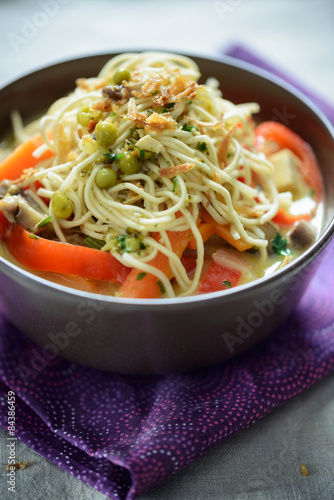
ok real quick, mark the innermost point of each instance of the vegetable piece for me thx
(83, 117)
(120, 75)
(106, 178)
(148, 286)
(21, 158)
(284, 218)
(94, 242)
(219, 278)
(106, 134)
(302, 234)
(224, 232)
(129, 164)
(61, 206)
(207, 229)
(285, 138)
(280, 245)
(47, 255)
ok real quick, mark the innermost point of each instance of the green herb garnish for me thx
(175, 185)
(187, 128)
(201, 146)
(279, 245)
(227, 283)
(111, 157)
(44, 222)
(140, 276)
(162, 288)
(33, 237)
(142, 154)
(94, 243)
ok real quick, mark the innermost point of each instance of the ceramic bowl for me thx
(163, 335)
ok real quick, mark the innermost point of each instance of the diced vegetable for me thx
(224, 232)
(219, 278)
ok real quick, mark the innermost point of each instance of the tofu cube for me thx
(285, 172)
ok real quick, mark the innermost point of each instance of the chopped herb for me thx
(111, 157)
(33, 237)
(175, 185)
(227, 283)
(168, 163)
(112, 114)
(44, 222)
(94, 243)
(131, 129)
(171, 105)
(279, 245)
(312, 193)
(140, 276)
(190, 102)
(142, 154)
(201, 146)
(187, 128)
(155, 92)
(162, 288)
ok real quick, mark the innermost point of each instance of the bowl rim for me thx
(299, 263)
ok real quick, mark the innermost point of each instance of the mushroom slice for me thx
(17, 210)
(302, 234)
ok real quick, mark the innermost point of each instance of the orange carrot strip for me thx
(21, 158)
(142, 285)
(224, 232)
(284, 218)
(207, 229)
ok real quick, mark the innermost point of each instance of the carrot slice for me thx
(45, 255)
(21, 158)
(224, 232)
(285, 138)
(284, 218)
(142, 285)
(207, 229)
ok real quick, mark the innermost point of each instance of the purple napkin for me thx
(124, 435)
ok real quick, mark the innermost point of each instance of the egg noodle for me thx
(195, 151)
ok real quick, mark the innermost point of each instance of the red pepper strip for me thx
(285, 138)
(45, 255)
(216, 277)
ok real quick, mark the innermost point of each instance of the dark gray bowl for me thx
(163, 335)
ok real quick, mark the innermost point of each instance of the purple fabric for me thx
(124, 435)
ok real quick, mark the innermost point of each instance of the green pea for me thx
(106, 178)
(106, 134)
(61, 205)
(83, 118)
(129, 163)
(120, 75)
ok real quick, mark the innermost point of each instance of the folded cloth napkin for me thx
(124, 435)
